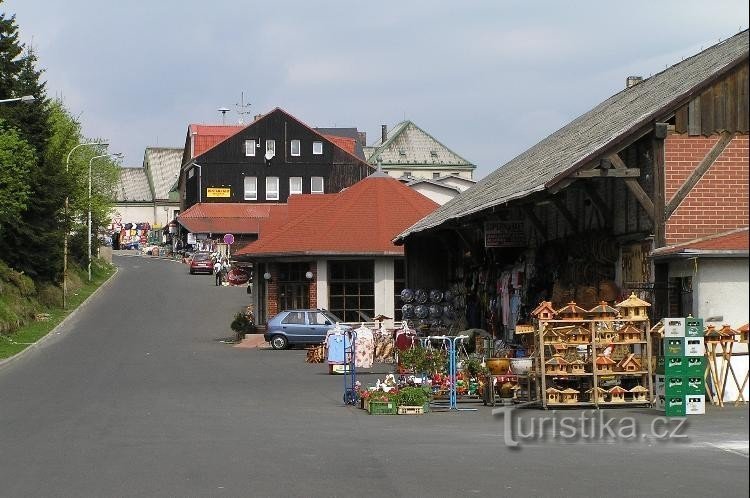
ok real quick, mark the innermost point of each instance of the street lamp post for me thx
(25, 98)
(65, 243)
(88, 261)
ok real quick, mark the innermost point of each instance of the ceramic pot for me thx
(521, 366)
(498, 366)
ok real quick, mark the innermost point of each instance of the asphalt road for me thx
(135, 396)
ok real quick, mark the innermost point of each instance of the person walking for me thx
(217, 272)
(225, 269)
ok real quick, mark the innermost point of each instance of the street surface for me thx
(135, 396)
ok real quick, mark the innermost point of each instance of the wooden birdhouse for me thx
(639, 393)
(629, 333)
(550, 335)
(728, 334)
(603, 311)
(570, 395)
(744, 332)
(556, 365)
(578, 335)
(560, 347)
(629, 364)
(544, 311)
(576, 367)
(571, 312)
(617, 394)
(712, 336)
(553, 395)
(597, 394)
(633, 308)
(604, 364)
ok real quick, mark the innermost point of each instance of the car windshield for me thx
(201, 256)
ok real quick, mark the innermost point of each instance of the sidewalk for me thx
(253, 341)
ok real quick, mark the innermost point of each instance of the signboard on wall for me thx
(218, 192)
(504, 234)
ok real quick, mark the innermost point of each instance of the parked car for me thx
(300, 327)
(201, 263)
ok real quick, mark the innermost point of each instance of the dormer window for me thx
(402, 152)
(433, 153)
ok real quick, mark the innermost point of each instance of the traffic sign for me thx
(229, 239)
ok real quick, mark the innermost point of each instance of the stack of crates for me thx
(684, 367)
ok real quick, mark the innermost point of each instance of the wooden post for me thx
(595, 381)
(657, 149)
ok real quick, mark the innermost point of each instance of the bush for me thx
(49, 295)
(412, 396)
(242, 325)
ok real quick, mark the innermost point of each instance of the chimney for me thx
(383, 133)
(362, 136)
(632, 81)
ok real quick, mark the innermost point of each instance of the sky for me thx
(488, 79)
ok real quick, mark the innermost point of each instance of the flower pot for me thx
(521, 366)
(498, 366)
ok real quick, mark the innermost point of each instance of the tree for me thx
(10, 49)
(17, 158)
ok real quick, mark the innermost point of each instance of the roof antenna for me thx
(223, 111)
(242, 108)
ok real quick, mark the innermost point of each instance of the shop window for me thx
(352, 289)
(316, 185)
(250, 147)
(251, 188)
(272, 188)
(317, 148)
(295, 185)
(294, 148)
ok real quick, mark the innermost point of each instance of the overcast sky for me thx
(486, 78)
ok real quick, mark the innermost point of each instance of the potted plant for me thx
(413, 359)
(474, 369)
(412, 400)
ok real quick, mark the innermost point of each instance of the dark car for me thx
(299, 327)
(201, 263)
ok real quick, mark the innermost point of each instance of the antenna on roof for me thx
(223, 111)
(242, 108)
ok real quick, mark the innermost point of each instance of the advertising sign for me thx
(504, 234)
(218, 192)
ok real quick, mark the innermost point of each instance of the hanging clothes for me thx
(384, 346)
(338, 343)
(502, 287)
(364, 347)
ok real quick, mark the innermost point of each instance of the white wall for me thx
(134, 214)
(322, 283)
(384, 286)
(435, 193)
(422, 172)
(164, 213)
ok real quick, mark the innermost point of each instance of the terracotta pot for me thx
(498, 366)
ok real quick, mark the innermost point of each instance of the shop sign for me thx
(504, 234)
(218, 192)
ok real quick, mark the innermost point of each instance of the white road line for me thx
(740, 448)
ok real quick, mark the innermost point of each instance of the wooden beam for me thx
(635, 188)
(614, 173)
(698, 173)
(598, 203)
(694, 116)
(565, 212)
(528, 210)
(657, 153)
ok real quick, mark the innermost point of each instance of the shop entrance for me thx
(294, 288)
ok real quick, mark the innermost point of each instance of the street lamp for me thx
(117, 155)
(65, 244)
(26, 98)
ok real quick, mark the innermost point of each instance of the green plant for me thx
(413, 359)
(242, 325)
(412, 396)
(473, 367)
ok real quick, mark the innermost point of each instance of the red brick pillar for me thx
(314, 285)
(272, 291)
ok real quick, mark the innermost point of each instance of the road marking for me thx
(740, 448)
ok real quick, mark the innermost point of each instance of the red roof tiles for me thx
(234, 218)
(734, 240)
(348, 144)
(362, 219)
(207, 136)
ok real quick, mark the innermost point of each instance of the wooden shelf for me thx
(584, 374)
(613, 374)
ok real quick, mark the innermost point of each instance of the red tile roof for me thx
(362, 219)
(207, 136)
(731, 242)
(221, 218)
(348, 144)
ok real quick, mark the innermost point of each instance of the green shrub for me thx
(242, 325)
(412, 396)
(49, 295)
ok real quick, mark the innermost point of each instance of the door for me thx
(318, 325)
(295, 327)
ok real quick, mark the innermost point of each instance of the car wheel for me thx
(279, 342)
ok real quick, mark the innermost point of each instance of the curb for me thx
(52, 333)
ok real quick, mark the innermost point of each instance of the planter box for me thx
(381, 408)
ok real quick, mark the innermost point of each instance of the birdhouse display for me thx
(602, 356)
(617, 394)
(744, 332)
(629, 333)
(633, 308)
(712, 336)
(604, 364)
(571, 312)
(544, 311)
(639, 394)
(603, 311)
(728, 334)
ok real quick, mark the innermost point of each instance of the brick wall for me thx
(719, 201)
(272, 296)
(314, 285)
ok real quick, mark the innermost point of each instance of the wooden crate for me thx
(410, 410)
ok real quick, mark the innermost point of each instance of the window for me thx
(352, 289)
(318, 318)
(272, 188)
(294, 318)
(433, 153)
(295, 148)
(251, 188)
(402, 152)
(271, 147)
(250, 147)
(318, 148)
(316, 185)
(295, 185)
(435, 176)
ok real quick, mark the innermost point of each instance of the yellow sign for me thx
(218, 192)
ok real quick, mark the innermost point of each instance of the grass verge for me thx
(32, 332)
